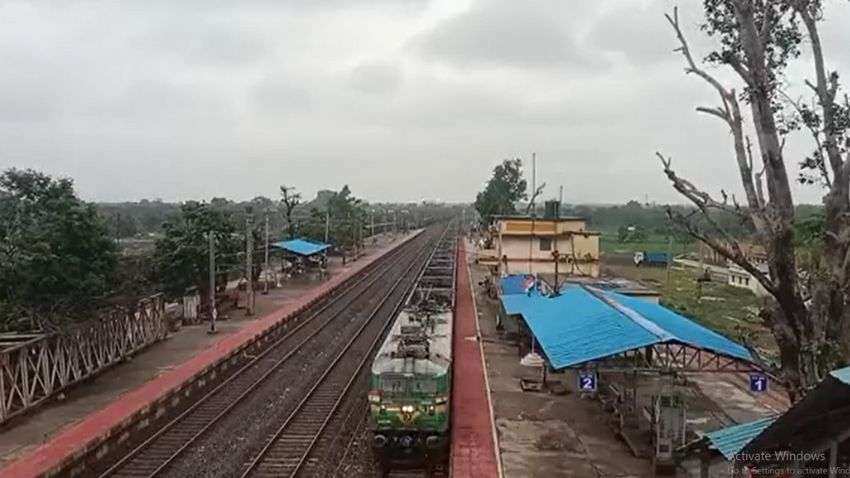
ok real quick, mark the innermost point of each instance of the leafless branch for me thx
(729, 249)
(531, 202)
(692, 66)
(717, 111)
(702, 200)
(825, 87)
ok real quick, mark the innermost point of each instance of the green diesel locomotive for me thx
(411, 379)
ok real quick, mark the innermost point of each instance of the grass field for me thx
(728, 310)
(609, 243)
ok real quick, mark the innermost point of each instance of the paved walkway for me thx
(473, 444)
(104, 409)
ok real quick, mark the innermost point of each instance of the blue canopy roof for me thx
(578, 326)
(822, 413)
(731, 440)
(842, 374)
(514, 284)
(302, 247)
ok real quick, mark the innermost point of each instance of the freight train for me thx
(411, 380)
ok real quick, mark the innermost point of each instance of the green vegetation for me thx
(502, 191)
(182, 253)
(729, 310)
(56, 258)
(608, 243)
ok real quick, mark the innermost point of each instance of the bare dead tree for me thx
(534, 196)
(289, 199)
(808, 318)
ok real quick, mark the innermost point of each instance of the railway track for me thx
(357, 455)
(288, 450)
(272, 367)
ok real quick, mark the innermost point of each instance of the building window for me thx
(545, 244)
(747, 280)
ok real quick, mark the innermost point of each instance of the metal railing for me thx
(37, 368)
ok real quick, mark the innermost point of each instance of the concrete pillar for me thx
(630, 409)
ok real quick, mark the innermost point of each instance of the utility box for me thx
(669, 420)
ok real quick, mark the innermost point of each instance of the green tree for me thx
(56, 256)
(289, 200)
(756, 42)
(182, 254)
(502, 191)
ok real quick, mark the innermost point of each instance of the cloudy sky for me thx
(401, 99)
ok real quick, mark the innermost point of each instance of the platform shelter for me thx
(630, 352)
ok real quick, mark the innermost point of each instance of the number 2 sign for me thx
(587, 381)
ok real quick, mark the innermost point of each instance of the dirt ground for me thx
(27, 432)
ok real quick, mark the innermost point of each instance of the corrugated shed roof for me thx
(578, 326)
(683, 329)
(842, 374)
(731, 440)
(513, 284)
(302, 247)
(823, 413)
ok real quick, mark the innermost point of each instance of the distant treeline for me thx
(145, 218)
(653, 218)
(139, 219)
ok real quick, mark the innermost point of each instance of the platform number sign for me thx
(587, 381)
(758, 382)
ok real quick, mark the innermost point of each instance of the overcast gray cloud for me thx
(500, 33)
(401, 100)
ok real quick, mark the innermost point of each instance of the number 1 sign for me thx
(758, 383)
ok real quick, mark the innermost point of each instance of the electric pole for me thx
(327, 225)
(213, 312)
(669, 257)
(266, 272)
(249, 266)
(560, 199)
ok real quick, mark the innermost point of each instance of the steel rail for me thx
(334, 300)
(253, 466)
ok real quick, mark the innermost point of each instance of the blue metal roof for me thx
(842, 374)
(302, 247)
(683, 329)
(513, 284)
(731, 440)
(577, 326)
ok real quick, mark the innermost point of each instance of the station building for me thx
(547, 245)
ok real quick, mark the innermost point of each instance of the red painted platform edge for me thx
(473, 448)
(80, 438)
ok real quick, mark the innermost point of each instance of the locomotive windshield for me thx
(408, 385)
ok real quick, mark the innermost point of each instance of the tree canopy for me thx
(182, 254)
(56, 256)
(289, 200)
(502, 191)
(809, 315)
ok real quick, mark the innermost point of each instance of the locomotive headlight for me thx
(375, 396)
(431, 410)
(407, 408)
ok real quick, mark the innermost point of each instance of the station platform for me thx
(473, 441)
(80, 438)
